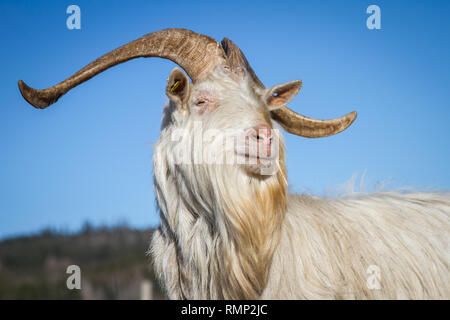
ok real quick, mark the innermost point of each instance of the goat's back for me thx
(384, 245)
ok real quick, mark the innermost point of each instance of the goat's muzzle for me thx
(261, 136)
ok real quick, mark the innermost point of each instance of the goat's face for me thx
(226, 99)
(225, 120)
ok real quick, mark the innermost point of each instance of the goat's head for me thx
(223, 119)
(224, 94)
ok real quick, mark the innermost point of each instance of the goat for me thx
(231, 230)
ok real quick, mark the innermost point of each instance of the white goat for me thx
(230, 229)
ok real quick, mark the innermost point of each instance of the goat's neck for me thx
(225, 232)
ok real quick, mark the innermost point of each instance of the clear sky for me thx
(88, 157)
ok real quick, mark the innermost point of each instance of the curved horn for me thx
(197, 54)
(303, 126)
(290, 120)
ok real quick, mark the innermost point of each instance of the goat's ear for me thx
(178, 86)
(280, 95)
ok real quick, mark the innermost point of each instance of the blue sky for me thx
(88, 157)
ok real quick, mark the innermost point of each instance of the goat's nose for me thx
(262, 135)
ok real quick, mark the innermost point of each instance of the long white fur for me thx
(226, 234)
(328, 245)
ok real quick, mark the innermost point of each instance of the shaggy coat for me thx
(227, 233)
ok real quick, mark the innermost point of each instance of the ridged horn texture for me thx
(303, 126)
(237, 59)
(197, 54)
(290, 120)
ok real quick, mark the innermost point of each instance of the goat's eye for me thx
(200, 102)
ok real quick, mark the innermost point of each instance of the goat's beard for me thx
(254, 209)
(231, 213)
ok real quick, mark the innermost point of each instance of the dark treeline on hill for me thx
(113, 261)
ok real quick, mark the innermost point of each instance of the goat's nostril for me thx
(262, 133)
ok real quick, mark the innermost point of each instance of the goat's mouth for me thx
(251, 158)
(257, 164)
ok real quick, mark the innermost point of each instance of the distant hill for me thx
(113, 263)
